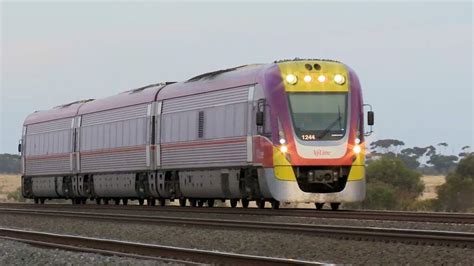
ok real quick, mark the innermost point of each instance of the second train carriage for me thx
(291, 131)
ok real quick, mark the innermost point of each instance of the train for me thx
(290, 131)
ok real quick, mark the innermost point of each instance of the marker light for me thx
(357, 140)
(321, 78)
(308, 78)
(356, 149)
(283, 148)
(282, 141)
(292, 79)
(339, 79)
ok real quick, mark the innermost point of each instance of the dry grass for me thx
(8, 183)
(432, 182)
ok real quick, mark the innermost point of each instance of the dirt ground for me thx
(8, 183)
(431, 183)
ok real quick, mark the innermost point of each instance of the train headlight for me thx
(357, 141)
(308, 78)
(292, 79)
(283, 148)
(321, 78)
(357, 149)
(339, 79)
(282, 141)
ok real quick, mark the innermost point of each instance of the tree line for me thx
(9, 163)
(428, 160)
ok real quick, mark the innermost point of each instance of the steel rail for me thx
(431, 217)
(410, 236)
(141, 250)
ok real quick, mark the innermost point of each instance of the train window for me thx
(201, 124)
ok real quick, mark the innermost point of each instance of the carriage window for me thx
(319, 116)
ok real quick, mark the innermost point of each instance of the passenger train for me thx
(287, 132)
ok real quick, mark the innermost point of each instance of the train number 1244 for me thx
(308, 137)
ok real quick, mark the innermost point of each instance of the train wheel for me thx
(201, 203)
(83, 201)
(37, 201)
(151, 202)
(233, 203)
(117, 201)
(124, 201)
(193, 202)
(335, 206)
(210, 203)
(319, 206)
(97, 200)
(106, 201)
(261, 204)
(141, 202)
(182, 202)
(162, 202)
(245, 203)
(42, 200)
(275, 204)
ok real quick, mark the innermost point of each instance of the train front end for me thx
(316, 115)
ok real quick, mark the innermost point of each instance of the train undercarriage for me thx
(194, 188)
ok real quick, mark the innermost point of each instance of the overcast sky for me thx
(414, 60)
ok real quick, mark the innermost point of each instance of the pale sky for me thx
(414, 60)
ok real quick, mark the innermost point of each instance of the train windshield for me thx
(319, 115)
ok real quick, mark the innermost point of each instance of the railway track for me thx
(431, 217)
(409, 236)
(141, 250)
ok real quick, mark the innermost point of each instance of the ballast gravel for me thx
(158, 211)
(17, 253)
(300, 220)
(274, 244)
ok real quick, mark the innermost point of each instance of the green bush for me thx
(380, 196)
(457, 194)
(390, 185)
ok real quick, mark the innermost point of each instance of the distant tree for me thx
(443, 163)
(457, 194)
(410, 156)
(410, 162)
(9, 163)
(465, 152)
(431, 150)
(391, 185)
(386, 145)
(444, 145)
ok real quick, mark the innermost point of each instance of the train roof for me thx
(226, 78)
(58, 112)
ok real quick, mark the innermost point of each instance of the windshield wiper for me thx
(339, 118)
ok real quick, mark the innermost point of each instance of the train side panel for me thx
(115, 140)
(48, 148)
(205, 130)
